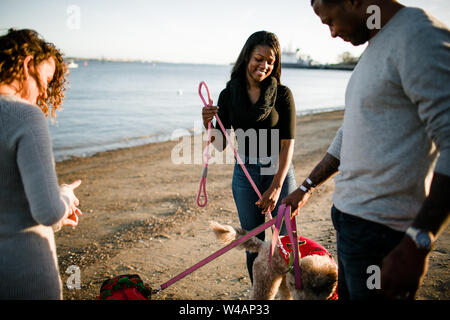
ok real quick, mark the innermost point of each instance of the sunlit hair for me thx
(262, 38)
(15, 46)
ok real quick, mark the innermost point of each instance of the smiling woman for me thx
(261, 65)
(261, 40)
(262, 113)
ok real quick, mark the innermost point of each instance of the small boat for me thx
(72, 65)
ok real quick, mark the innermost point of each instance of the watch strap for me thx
(413, 233)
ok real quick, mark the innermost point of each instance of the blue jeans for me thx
(360, 244)
(250, 215)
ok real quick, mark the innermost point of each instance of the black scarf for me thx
(241, 105)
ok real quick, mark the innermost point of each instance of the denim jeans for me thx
(250, 215)
(360, 244)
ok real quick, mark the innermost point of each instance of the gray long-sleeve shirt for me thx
(30, 203)
(397, 121)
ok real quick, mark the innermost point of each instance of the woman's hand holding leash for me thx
(269, 199)
(208, 113)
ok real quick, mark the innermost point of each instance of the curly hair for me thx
(15, 46)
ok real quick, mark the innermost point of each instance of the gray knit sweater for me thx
(397, 121)
(30, 203)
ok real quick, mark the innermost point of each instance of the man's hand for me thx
(403, 270)
(296, 200)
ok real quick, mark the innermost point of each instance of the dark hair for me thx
(263, 38)
(15, 46)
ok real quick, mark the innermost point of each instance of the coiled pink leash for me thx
(202, 186)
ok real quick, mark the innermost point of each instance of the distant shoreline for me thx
(343, 67)
(140, 61)
(165, 138)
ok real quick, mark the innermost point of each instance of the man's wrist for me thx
(311, 184)
(304, 189)
(423, 239)
(307, 186)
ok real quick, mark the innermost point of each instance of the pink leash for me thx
(202, 188)
(292, 232)
(283, 212)
(217, 254)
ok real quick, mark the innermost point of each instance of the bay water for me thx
(111, 105)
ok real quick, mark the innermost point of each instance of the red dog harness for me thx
(308, 248)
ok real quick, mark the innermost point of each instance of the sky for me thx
(181, 31)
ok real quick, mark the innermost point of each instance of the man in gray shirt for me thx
(389, 205)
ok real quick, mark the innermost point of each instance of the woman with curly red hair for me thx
(32, 204)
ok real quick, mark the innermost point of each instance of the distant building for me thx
(293, 59)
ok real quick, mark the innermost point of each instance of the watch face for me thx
(423, 240)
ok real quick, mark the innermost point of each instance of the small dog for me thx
(317, 268)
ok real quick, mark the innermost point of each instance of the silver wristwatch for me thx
(304, 189)
(422, 239)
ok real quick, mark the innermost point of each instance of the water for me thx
(111, 105)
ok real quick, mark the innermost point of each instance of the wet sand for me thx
(141, 217)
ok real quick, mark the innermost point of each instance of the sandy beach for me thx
(140, 217)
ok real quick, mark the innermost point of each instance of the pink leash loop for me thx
(292, 231)
(210, 102)
(202, 189)
(241, 163)
(203, 83)
(230, 143)
(285, 212)
(202, 186)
